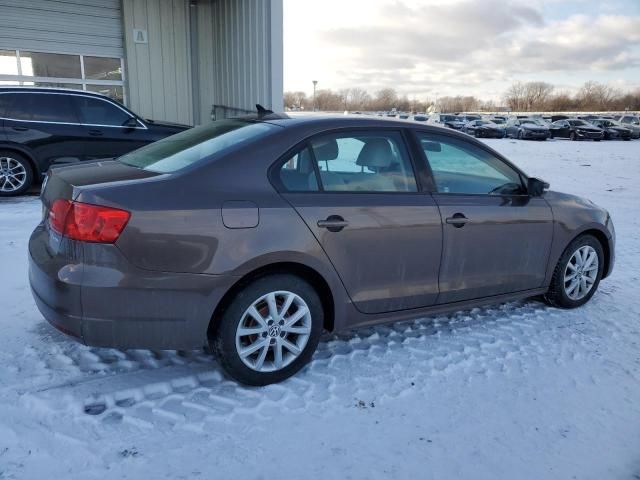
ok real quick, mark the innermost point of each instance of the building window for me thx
(82, 72)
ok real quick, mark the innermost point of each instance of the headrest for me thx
(375, 153)
(325, 149)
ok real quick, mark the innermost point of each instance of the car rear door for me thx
(109, 130)
(496, 238)
(560, 129)
(46, 124)
(357, 192)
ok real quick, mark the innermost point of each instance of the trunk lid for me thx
(67, 182)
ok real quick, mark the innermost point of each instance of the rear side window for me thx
(191, 146)
(39, 107)
(363, 162)
(95, 111)
(297, 173)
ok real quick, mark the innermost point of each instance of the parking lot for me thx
(518, 390)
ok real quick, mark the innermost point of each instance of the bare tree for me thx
(596, 96)
(537, 94)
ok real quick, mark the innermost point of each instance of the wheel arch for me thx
(305, 272)
(604, 243)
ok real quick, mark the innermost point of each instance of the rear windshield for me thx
(186, 148)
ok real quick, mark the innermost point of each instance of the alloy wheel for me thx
(273, 331)
(581, 272)
(13, 175)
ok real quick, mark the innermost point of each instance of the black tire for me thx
(222, 337)
(28, 171)
(556, 295)
(573, 137)
(626, 139)
(520, 136)
(596, 139)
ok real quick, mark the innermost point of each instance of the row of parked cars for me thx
(523, 127)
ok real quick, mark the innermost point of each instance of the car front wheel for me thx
(16, 174)
(577, 274)
(269, 331)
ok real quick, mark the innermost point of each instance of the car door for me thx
(513, 128)
(359, 197)
(496, 238)
(109, 130)
(44, 123)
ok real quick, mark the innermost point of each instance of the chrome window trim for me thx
(96, 97)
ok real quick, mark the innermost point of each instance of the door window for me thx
(363, 162)
(94, 111)
(461, 167)
(39, 107)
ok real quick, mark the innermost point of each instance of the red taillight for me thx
(88, 223)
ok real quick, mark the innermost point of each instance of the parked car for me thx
(420, 118)
(43, 127)
(255, 235)
(527, 129)
(454, 122)
(484, 129)
(632, 122)
(612, 129)
(576, 129)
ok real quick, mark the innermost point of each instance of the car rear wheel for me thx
(269, 331)
(520, 136)
(577, 274)
(16, 174)
(573, 136)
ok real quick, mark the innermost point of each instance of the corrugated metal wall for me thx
(240, 54)
(92, 27)
(159, 72)
(237, 62)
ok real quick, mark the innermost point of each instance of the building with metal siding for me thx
(166, 59)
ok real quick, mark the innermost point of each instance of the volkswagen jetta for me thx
(254, 235)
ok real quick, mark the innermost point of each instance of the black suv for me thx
(41, 127)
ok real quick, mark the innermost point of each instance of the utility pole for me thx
(315, 82)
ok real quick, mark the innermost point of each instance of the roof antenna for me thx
(262, 111)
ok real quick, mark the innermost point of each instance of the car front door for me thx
(496, 238)
(46, 124)
(109, 130)
(357, 193)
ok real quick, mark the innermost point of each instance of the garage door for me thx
(92, 27)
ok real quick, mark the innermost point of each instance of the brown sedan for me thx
(254, 235)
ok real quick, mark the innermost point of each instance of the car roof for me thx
(18, 88)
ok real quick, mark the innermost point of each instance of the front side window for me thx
(94, 111)
(39, 107)
(191, 146)
(363, 162)
(463, 168)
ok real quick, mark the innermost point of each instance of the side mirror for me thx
(536, 187)
(131, 123)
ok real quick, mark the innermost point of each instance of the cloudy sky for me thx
(433, 48)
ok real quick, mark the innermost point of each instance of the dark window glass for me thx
(102, 68)
(297, 173)
(363, 162)
(50, 65)
(461, 167)
(95, 111)
(189, 147)
(44, 107)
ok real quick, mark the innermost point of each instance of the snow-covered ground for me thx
(514, 391)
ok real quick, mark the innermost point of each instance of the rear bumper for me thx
(91, 292)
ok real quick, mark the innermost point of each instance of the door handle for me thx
(333, 223)
(458, 220)
(96, 133)
(20, 129)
